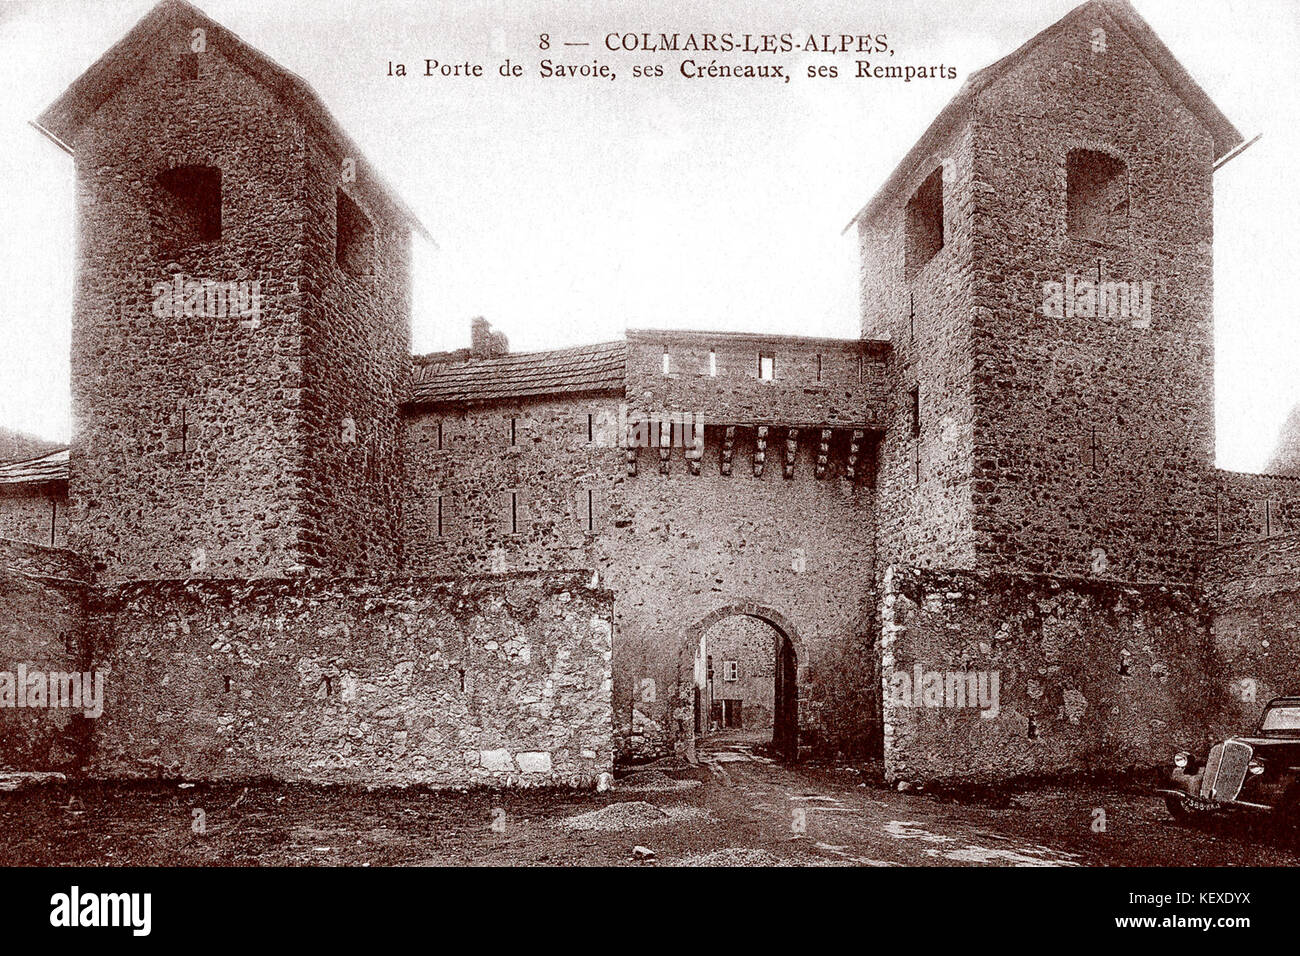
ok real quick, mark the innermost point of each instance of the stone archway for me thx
(791, 666)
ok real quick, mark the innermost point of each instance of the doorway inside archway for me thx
(744, 685)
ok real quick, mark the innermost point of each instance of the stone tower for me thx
(1042, 262)
(240, 337)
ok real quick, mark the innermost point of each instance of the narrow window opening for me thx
(513, 430)
(591, 510)
(666, 366)
(227, 680)
(591, 427)
(819, 366)
(354, 237)
(514, 512)
(186, 207)
(440, 435)
(860, 363)
(713, 363)
(914, 400)
(440, 525)
(1096, 195)
(766, 366)
(924, 224)
(54, 514)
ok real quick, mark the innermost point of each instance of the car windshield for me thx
(1284, 719)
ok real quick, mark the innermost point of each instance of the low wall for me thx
(501, 680)
(1091, 676)
(42, 631)
(1254, 591)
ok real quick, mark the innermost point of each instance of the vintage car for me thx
(1260, 772)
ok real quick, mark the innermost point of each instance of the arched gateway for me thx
(789, 668)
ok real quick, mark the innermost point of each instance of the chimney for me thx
(485, 341)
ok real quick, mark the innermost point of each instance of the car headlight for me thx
(1255, 767)
(1181, 760)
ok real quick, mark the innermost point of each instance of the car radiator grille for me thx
(1225, 770)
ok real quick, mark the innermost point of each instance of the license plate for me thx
(1196, 803)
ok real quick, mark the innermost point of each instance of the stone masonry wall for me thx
(42, 628)
(673, 547)
(1094, 433)
(752, 644)
(816, 382)
(1254, 590)
(356, 365)
(925, 488)
(503, 680)
(186, 457)
(1250, 507)
(1093, 676)
(35, 514)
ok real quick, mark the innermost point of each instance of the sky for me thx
(566, 210)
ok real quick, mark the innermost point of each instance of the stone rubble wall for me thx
(35, 514)
(43, 617)
(501, 680)
(1254, 590)
(1112, 676)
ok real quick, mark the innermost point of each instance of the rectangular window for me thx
(591, 510)
(514, 512)
(440, 435)
(186, 208)
(1096, 195)
(819, 366)
(440, 517)
(766, 366)
(354, 237)
(513, 433)
(914, 398)
(731, 670)
(665, 363)
(713, 363)
(591, 427)
(924, 222)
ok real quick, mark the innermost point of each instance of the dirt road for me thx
(736, 807)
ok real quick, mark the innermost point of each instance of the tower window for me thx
(713, 362)
(766, 366)
(1096, 195)
(354, 237)
(914, 402)
(186, 206)
(924, 218)
(666, 365)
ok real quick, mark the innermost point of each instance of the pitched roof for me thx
(51, 467)
(586, 368)
(1226, 136)
(135, 53)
